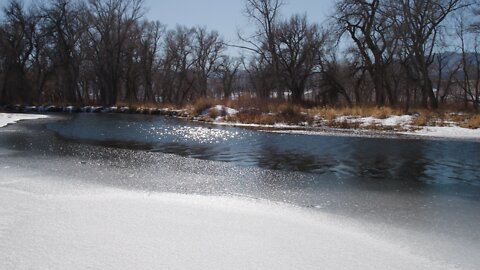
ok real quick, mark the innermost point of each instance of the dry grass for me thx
(423, 119)
(331, 113)
(473, 122)
(289, 114)
(253, 118)
(343, 124)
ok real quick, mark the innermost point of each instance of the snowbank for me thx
(228, 111)
(453, 132)
(9, 118)
(103, 228)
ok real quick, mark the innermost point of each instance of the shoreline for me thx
(358, 133)
(404, 129)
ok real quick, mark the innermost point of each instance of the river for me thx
(420, 196)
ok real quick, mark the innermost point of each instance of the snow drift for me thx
(53, 225)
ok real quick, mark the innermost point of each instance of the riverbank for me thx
(287, 118)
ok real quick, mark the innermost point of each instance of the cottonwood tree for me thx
(419, 24)
(150, 43)
(16, 46)
(336, 77)
(298, 47)
(228, 71)
(265, 14)
(469, 77)
(206, 48)
(370, 25)
(63, 26)
(111, 23)
(177, 78)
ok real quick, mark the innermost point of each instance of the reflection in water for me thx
(270, 158)
(200, 151)
(389, 159)
(416, 162)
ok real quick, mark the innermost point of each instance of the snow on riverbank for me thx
(9, 118)
(394, 120)
(453, 132)
(402, 122)
(48, 225)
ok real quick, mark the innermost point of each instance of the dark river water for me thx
(412, 161)
(419, 185)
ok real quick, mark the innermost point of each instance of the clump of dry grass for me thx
(331, 113)
(473, 122)
(422, 119)
(253, 118)
(343, 124)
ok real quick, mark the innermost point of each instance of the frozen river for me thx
(132, 191)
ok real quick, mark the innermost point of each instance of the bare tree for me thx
(228, 71)
(16, 47)
(111, 23)
(63, 25)
(420, 26)
(178, 80)
(298, 48)
(266, 15)
(469, 79)
(370, 26)
(207, 48)
(150, 62)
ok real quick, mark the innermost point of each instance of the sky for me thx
(226, 16)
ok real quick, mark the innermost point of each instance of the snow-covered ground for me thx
(405, 121)
(48, 224)
(453, 132)
(394, 120)
(9, 118)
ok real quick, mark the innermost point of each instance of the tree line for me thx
(376, 52)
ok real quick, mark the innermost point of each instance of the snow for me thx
(10, 118)
(393, 120)
(48, 224)
(220, 109)
(453, 132)
(228, 110)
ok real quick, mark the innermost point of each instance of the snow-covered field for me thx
(10, 118)
(53, 225)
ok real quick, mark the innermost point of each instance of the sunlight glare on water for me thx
(204, 135)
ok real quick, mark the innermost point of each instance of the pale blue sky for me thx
(225, 16)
